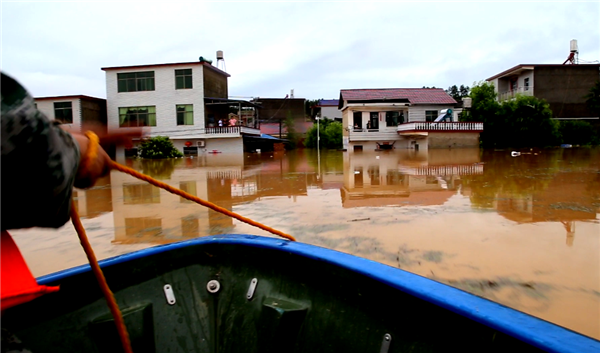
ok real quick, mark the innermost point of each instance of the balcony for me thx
(425, 126)
(380, 134)
(525, 91)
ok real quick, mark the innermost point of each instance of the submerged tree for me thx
(159, 147)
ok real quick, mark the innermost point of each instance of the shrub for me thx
(159, 147)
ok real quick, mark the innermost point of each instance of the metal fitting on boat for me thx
(213, 286)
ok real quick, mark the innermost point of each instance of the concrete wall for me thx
(46, 106)
(452, 139)
(564, 88)
(331, 112)
(417, 112)
(165, 97)
(215, 84)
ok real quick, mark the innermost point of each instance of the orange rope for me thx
(173, 190)
(110, 298)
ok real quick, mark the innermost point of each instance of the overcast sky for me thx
(315, 48)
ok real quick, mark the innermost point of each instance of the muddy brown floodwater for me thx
(522, 231)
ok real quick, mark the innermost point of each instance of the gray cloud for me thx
(314, 48)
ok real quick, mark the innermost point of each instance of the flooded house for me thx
(403, 118)
(188, 102)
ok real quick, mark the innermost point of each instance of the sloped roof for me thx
(328, 102)
(413, 95)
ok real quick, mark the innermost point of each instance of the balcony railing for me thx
(223, 130)
(526, 91)
(426, 126)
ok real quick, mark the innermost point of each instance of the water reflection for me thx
(483, 221)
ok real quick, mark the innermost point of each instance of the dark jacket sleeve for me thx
(38, 166)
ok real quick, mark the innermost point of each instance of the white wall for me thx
(331, 112)
(165, 97)
(46, 106)
(417, 112)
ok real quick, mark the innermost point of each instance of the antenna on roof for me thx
(573, 54)
(220, 60)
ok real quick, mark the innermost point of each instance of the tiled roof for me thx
(328, 102)
(414, 95)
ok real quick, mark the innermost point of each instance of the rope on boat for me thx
(92, 153)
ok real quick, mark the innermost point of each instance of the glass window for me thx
(63, 112)
(431, 115)
(357, 120)
(135, 81)
(183, 79)
(373, 122)
(391, 118)
(137, 116)
(185, 114)
(526, 83)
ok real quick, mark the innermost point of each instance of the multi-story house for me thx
(188, 102)
(403, 118)
(564, 87)
(74, 111)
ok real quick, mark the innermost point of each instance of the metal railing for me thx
(223, 130)
(525, 91)
(431, 126)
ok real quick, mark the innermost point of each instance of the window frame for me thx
(185, 114)
(183, 79)
(427, 115)
(63, 112)
(151, 116)
(138, 81)
(390, 119)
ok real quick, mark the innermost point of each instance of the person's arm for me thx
(40, 163)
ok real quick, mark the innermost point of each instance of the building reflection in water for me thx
(524, 190)
(401, 178)
(95, 201)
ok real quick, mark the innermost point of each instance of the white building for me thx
(188, 102)
(402, 118)
(74, 110)
(329, 109)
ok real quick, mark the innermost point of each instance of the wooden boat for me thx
(241, 293)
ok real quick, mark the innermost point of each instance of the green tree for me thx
(520, 122)
(577, 132)
(593, 99)
(309, 107)
(291, 135)
(458, 93)
(330, 132)
(158, 147)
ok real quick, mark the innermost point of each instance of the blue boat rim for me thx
(529, 329)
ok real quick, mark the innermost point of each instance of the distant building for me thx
(328, 108)
(562, 86)
(74, 110)
(188, 102)
(274, 112)
(403, 118)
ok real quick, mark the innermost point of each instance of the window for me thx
(374, 121)
(185, 114)
(431, 115)
(391, 118)
(136, 81)
(140, 194)
(63, 111)
(357, 120)
(137, 116)
(526, 83)
(183, 79)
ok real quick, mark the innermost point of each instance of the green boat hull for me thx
(270, 297)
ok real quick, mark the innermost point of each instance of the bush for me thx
(330, 131)
(577, 132)
(159, 147)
